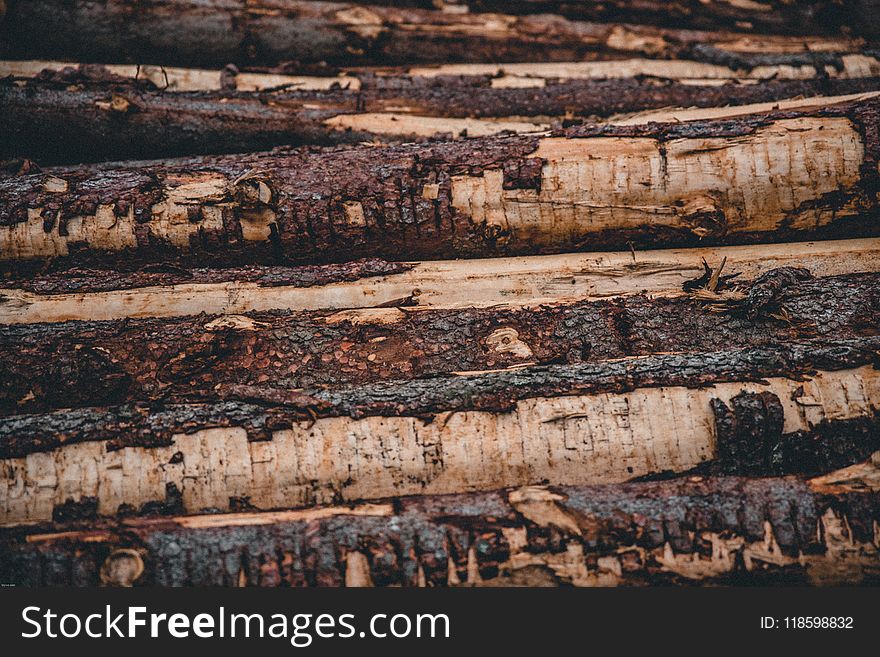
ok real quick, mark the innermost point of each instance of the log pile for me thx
(461, 293)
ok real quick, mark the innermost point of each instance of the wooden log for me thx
(743, 411)
(692, 530)
(372, 289)
(771, 16)
(116, 120)
(310, 34)
(44, 367)
(500, 76)
(805, 168)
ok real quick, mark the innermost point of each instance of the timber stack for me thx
(439, 293)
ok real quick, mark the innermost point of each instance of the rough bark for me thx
(491, 196)
(270, 406)
(780, 426)
(118, 121)
(684, 531)
(74, 364)
(372, 290)
(772, 16)
(310, 34)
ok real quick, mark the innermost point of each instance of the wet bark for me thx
(272, 405)
(692, 530)
(118, 121)
(326, 34)
(465, 198)
(74, 364)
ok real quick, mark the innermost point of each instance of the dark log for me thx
(75, 364)
(708, 180)
(685, 531)
(771, 16)
(56, 122)
(321, 34)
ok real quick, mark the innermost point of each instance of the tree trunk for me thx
(311, 35)
(772, 16)
(75, 364)
(745, 410)
(862, 64)
(692, 530)
(107, 121)
(372, 289)
(590, 186)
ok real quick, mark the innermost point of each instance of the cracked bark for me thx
(798, 428)
(263, 408)
(476, 197)
(73, 364)
(692, 530)
(154, 123)
(322, 34)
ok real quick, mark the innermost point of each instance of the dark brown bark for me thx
(54, 122)
(310, 34)
(771, 16)
(305, 193)
(651, 530)
(270, 406)
(75, 364)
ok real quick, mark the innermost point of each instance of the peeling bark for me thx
(684, 531)
(154, 123)
(495, 76)
(310, 34)
(827, 422)
(270, 406)
(35, 292)
(803, 171)
(73, 364)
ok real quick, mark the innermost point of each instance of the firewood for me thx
(73, 364)
(119, 120)
(321, 35)
(751, 409)
(374, 288)
(733, 175)
(690, 530)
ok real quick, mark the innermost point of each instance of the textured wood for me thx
(805, 171)
(685, 531)
(149, 121)
(364, 292)
(571, 440)
(71, 364)
(217, 32)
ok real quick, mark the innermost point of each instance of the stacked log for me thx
(439, 294)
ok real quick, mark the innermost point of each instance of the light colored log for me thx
(576, 440)
(173, 78)
(536, 74)
(523, 281)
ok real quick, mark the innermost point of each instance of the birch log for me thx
(320, 34)
(44, 367)
(748, 411)
(115, 120)
(685, 531)
(736, 174)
